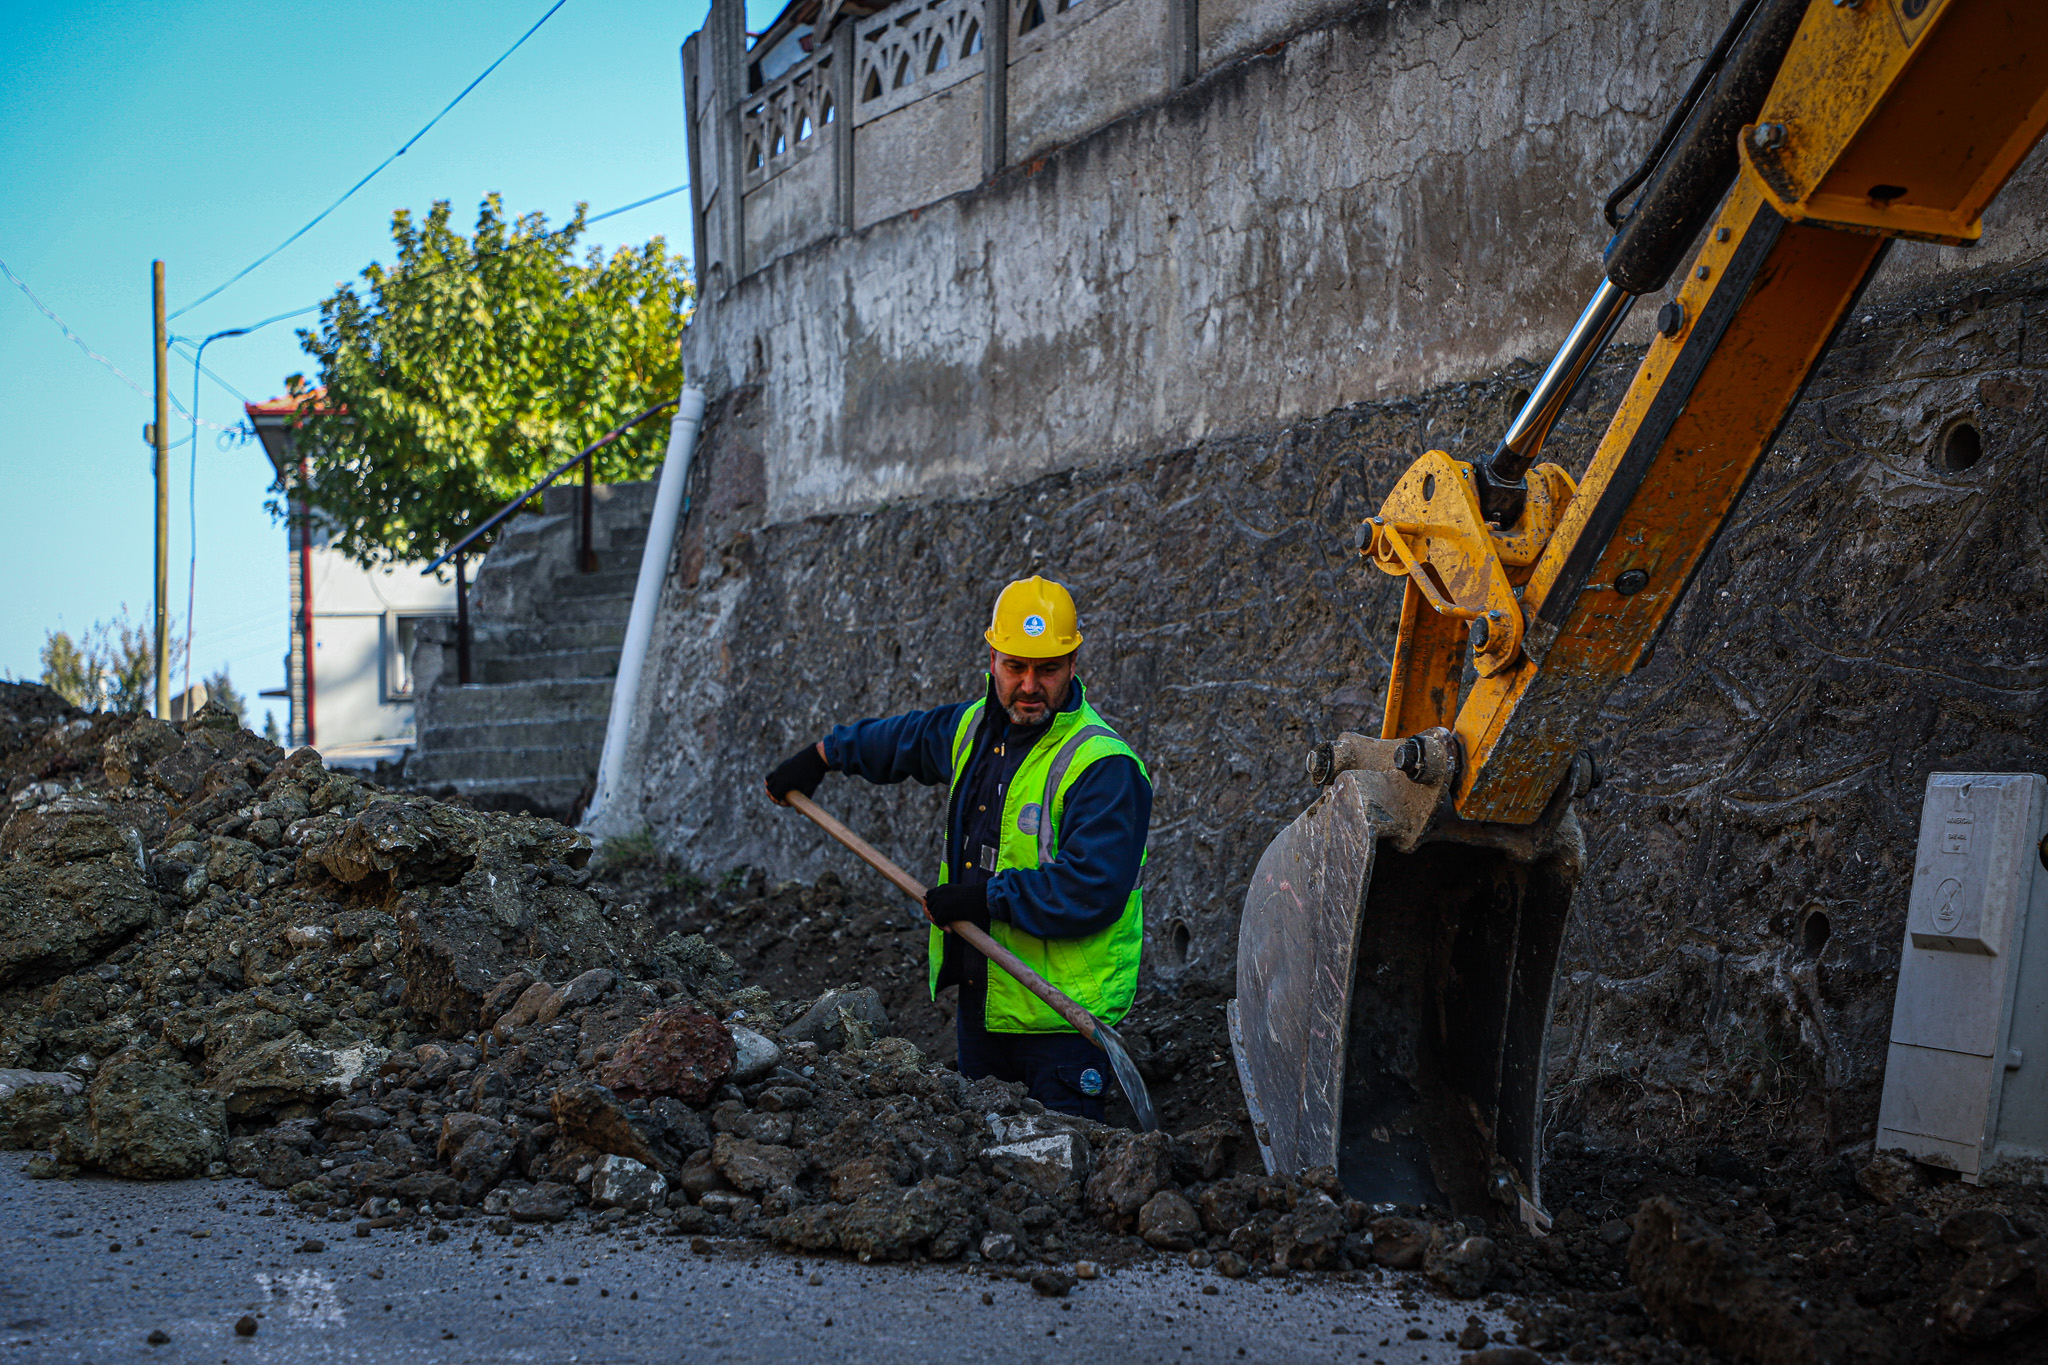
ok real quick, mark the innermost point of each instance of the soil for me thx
(216, 957)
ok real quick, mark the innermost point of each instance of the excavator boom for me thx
(1399, 941)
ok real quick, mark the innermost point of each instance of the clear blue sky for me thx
(205, 134)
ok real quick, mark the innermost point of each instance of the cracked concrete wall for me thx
(1402, 197)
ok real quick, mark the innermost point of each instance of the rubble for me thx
(386, 1006)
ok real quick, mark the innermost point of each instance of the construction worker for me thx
(1046, 819)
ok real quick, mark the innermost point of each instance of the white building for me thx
(351, 697)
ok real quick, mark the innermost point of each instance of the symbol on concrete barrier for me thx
(1947, 914)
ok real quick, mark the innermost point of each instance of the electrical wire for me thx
(350, 193)
(637, 203)
(65, 328)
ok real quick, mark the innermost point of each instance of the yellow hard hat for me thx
(1035, 619)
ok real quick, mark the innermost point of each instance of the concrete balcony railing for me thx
(928, 98)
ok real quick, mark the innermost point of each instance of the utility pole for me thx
(160, 436)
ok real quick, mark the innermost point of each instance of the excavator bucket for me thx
(1394, 978)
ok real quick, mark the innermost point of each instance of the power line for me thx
(238, 275)
(65, 328)
(637, 203)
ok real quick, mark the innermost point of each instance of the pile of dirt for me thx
(216, 957)
(797, 940)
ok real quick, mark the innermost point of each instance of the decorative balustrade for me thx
(913, 50)
(787, 120)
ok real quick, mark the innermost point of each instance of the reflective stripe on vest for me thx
(1099, 970)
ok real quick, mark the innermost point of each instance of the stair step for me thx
(552, 795)
(604, 583)
(567, 698)
(533, 732)
(504, 765)
(506, 641)
(559, 663)
(607, 608)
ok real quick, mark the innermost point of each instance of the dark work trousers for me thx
(1062, 1071)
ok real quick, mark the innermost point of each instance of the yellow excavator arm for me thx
(1399, 941)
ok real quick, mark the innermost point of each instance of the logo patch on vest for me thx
(1034, 626)
(1091, 1082)
(1030, 818)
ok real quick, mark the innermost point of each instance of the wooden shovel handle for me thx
(1087, 1024)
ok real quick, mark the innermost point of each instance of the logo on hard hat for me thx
(1034, 626)
(1091, 1082)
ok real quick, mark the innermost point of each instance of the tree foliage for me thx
(473, 366)
(221, 691)
(110, 667)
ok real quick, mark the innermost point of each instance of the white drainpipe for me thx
(661, 532)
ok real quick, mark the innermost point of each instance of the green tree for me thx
(474, 365)
(221, 691)
(110, 667)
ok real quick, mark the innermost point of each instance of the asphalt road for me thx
(195, 1256)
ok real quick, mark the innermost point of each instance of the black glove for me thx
(945, 904)
(802, 771)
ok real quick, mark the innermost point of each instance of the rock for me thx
(1132, 1171)
(245, 1326)
(729, 1204)
(754, 1055)
(1503, 1355)
(457, 1129)
(588, 988)
(1311, 1236)
(1231, 1265)
(1398, 1243)
(681, 1052)
(699, 1177)
(999, 1246)
(1996, 1290)
(592, 1115)
(890, 1225)
(525, 1008)
(1614, 1232)
(14, 1078)
(682, 1127)
(1203, 1153)
(1973, 1230)
(145, 1120)
(362, 1119)
(1045, 1164)
(1168, 1221)
(545, 1202)
(277, 1158)
(71, 887)
(848, 1017)
(1054, 1284)
(1889, 1176)
(291, 1070)
(504, 997)
(623, 1183)
(32, 1113)
(481, 1162)
(1695, 1281)
(755, 1166)
(852, 1179)
(1463, 1268)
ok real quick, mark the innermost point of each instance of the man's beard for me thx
(1045, 710)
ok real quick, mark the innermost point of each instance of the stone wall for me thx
(1864, 620)
(1175, 362)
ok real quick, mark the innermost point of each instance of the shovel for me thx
(1089, 1027)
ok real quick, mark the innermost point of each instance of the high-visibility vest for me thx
(1100, 971)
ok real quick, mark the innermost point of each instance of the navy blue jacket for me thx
(1102, 829)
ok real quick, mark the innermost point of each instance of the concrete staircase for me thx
(526, 733)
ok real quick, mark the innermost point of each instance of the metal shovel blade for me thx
(1127, 1077)
(1394, 988)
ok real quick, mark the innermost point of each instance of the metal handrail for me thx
(586, 559)
(462, 545)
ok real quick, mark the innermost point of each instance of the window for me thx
(401, 633)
